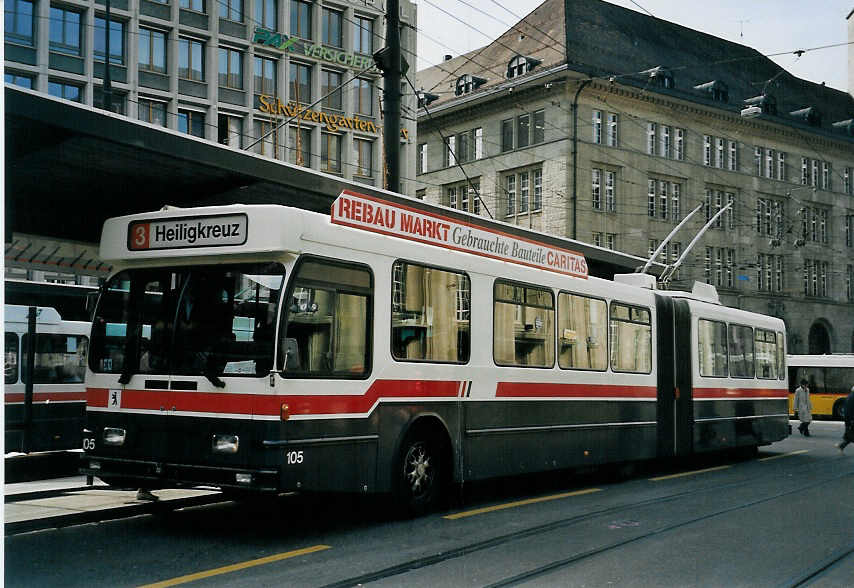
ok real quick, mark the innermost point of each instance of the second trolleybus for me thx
(388, 349)
(830, 378)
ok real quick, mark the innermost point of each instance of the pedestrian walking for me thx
(848, 432)
(803, 406)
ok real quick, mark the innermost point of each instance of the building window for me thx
(422, 158)
(118, 101)
(64, 31)
(680, 145)
(230, 130)
(265, 76)
(652, 138)
(665, 145)
(18, 22)
(330, 82)
(613, 124)
(506, 135)
(523, 130)
(597, 239)
(363, 92)
(363, 35)
(363, 157)
(231, 10)
(332, 30)
(610, 191)
(19, 80)
(191, 64)
(849, 283)
(299, 145)
(597, 189)
(191, 122)
(770, 165)
(707, 150)
(825, 176)
(301, 19)
(769, 218)
(267, 138)
(330, 152)
(597, 127)
(63, 90)
(519, 65)
(537, 202)
(733, 156)
(805, 171)
(847, 175)
(523, 191)
(230, 68)
(152, 50)
(782, 168)
(652, 190)
(464, 196)
(265, 14)
(849, 230)
(450, 152)
(300, 83)
(611, 241)
(675, 201)
(196, 5)
(720, 153)
(510, 194)
(757, 161)
(117, 41)
(152, 111)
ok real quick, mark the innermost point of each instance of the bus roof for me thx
(16, 313)
(835, 360)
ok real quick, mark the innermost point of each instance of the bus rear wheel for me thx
(839, 410)
(420, 474)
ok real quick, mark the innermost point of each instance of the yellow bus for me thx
(830, 379)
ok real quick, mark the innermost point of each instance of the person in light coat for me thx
(803, 406)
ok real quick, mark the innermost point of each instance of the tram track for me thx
(814, 572)
(540, 571)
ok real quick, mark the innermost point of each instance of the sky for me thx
(769, 26)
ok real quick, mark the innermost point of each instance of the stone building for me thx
(229, 71)
(599, 123)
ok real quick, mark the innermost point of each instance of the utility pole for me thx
(391, 99)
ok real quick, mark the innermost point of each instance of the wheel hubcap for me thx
(418, 469)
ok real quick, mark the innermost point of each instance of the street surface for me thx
(784, 518)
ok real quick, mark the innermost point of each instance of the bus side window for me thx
(631, 339)
(329, 317)
(10, 358)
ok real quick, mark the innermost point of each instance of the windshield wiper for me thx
(214, 379)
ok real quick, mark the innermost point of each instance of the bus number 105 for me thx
(294, 457)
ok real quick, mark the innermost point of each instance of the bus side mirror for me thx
(292, 362)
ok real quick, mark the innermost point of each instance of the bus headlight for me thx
(225, 443)
(114, 436)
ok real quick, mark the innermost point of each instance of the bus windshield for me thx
(189, 321)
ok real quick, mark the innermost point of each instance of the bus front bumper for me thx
(171, 475)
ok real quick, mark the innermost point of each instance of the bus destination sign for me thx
(372, 214)
(205, 231)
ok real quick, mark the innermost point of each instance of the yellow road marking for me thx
(477, 511)
(236, 567)
(683, 474)
(798, 452)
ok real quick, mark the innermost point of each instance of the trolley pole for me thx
(391, 95)
(28, 375)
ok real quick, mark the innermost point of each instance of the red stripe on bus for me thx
(14, 397)
(546, 390)
(728, 393)
(270, 404)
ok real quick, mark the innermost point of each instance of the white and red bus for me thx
(396, 349)
(53, 415)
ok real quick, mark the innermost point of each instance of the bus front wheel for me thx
(419, 473)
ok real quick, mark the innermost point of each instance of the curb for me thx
(120, 512)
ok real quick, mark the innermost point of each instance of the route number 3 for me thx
(294, 457)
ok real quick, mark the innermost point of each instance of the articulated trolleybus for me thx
(397, 350)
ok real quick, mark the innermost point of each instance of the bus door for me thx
(675, 414)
